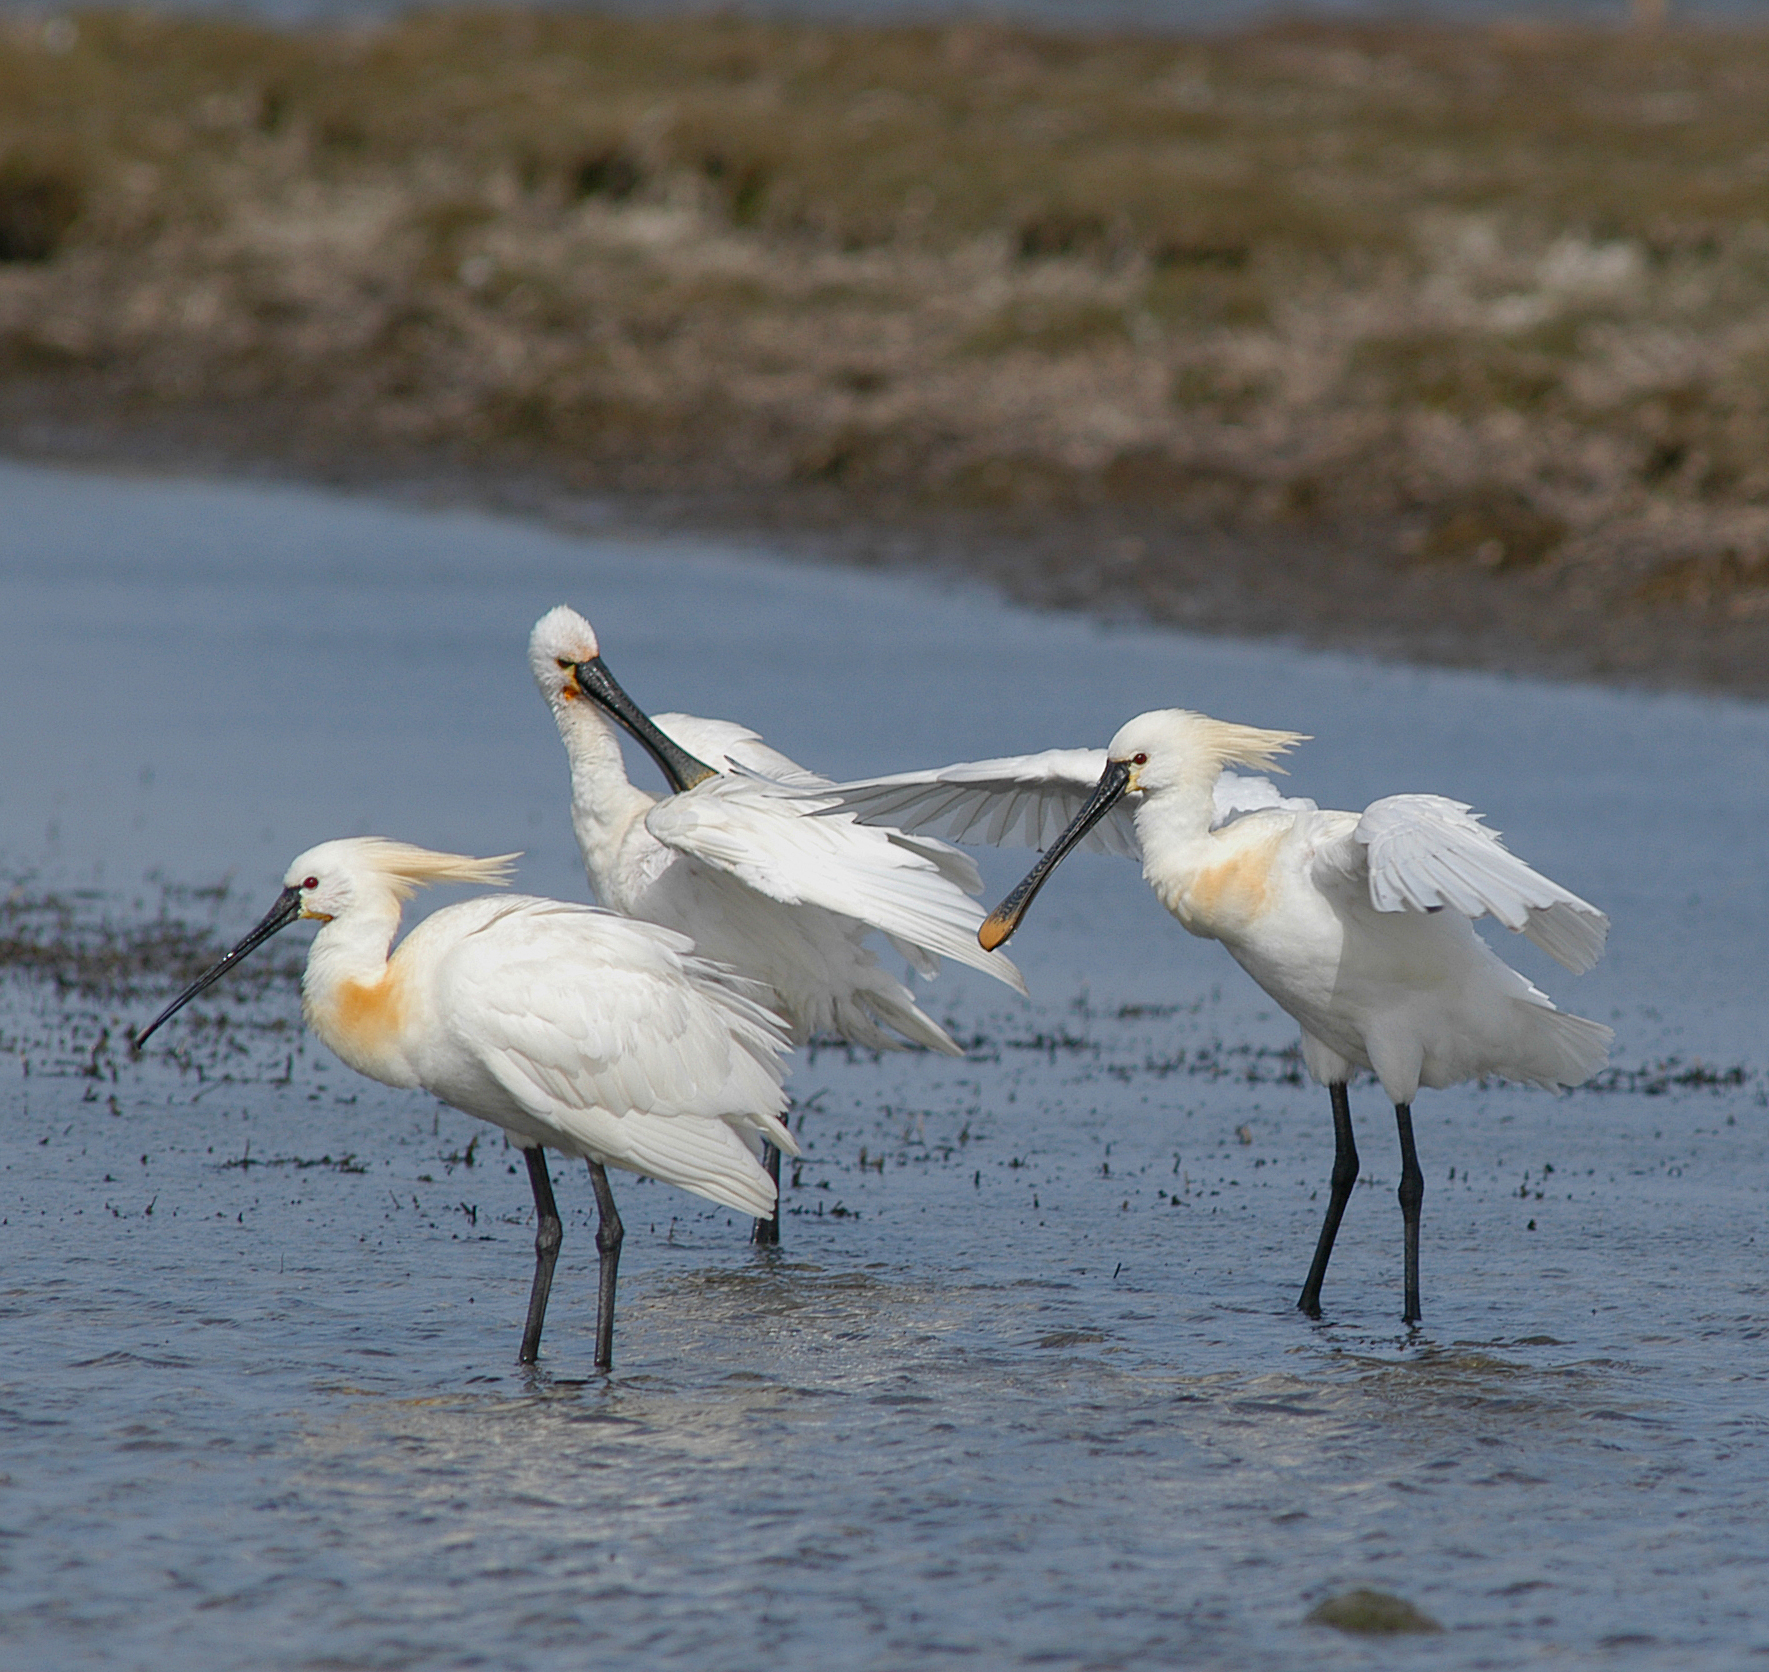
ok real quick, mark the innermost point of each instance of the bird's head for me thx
(333, 878)
(360, 870)
(1168, 752)
(567, 664)
(1177, 749)
(560, 642)
(324, 882)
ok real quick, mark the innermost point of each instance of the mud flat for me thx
(1441, 341)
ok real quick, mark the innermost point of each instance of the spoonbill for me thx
(571, 1028)
(1358, 924)
(748, 859)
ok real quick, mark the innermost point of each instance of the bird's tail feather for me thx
(709, 1157)
(898, 1010)
(1564, 1050)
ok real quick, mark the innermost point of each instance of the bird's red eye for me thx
(311, 882)
(1139, 760)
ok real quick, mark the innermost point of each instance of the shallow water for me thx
(1025, 1384)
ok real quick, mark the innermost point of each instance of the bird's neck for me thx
(353, 995)
(604, 805)
(1172, 821)
(1217, 883)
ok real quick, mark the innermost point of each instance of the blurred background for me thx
(1168, 16)
(1440, 332)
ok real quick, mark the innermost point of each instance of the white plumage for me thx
(727, 746)
(580, 1030)
(1359, 925)
(765, 873)
(571, 1028)
(1385, 972)
(1420, 852)
(1027, 800)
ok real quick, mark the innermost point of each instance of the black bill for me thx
(1005, 918)
(280, 916)
(600, 686)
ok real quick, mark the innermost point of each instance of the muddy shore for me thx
(1440, 343)
(1120, 562)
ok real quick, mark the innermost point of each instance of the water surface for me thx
(1025, 1384)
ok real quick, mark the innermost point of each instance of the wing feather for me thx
(1423, 852)
(734, 748)
(1006, 815)
(958, 868)
(1235, 793)
(801, 849)
(727, 746)
(1019, 800)
(1029, 800)
(610, 1032)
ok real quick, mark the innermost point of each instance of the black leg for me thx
(610, 1234)
(1411, 1193)
(548, 1234)
(766, 1232)
(1344, 1178)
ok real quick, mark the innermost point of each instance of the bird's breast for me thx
(365, 1024)
(1228, 890)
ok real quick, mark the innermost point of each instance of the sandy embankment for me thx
(1449, 342)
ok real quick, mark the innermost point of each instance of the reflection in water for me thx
(1007, 1495)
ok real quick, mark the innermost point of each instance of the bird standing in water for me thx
(1358, 924)
(779, 886)
(571, 1028)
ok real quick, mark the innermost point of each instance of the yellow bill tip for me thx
(994, 931)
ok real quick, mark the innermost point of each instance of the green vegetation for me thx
(1498, 298)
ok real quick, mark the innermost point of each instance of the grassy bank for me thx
(1488, 307)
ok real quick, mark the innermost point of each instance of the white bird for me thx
(571, 1028)
(750, 861)
(1358, 924)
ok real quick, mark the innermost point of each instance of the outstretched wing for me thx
(1235, 793)
(1423, 852)
(1012, 801)
(612, 1033)
(803, 850)
(1029, 800)
(736, 749)
(727, 746)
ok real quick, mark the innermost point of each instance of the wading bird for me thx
(749, 861)
(571, 1028)
(1358, 924)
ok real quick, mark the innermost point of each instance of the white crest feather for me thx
(1229, 744)
(410, 868)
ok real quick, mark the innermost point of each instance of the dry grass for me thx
(1497, 299)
